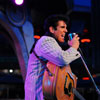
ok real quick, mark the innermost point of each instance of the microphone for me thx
(71, 35)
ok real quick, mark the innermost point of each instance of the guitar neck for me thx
(78, 95)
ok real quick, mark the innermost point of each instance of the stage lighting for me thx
(19, 2)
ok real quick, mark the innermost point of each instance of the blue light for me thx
(86, 3)
(48, 83)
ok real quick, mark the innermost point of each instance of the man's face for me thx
(60, 31)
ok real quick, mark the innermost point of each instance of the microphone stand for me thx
(98, 91)
(71, 35)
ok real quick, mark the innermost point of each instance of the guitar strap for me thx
(44, 63)
(32, 50)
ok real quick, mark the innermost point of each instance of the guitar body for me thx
(58, 83)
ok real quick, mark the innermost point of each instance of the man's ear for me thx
(51, 29)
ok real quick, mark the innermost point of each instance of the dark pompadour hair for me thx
(53, 21)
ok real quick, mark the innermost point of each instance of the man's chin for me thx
(62, 41)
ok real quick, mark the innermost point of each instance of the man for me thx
(47, 48)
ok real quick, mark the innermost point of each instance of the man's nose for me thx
(66, 30)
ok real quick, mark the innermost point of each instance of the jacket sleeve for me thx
(48, 48)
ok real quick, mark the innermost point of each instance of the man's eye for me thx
(62, 26)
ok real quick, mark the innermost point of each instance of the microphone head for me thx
(71, 35)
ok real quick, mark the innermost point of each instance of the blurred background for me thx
(21, 22)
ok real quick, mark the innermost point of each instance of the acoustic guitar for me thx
(58, 83)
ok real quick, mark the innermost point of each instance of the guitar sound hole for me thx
(67, 91)
(70, 87)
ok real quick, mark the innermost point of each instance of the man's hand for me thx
(74, 42)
